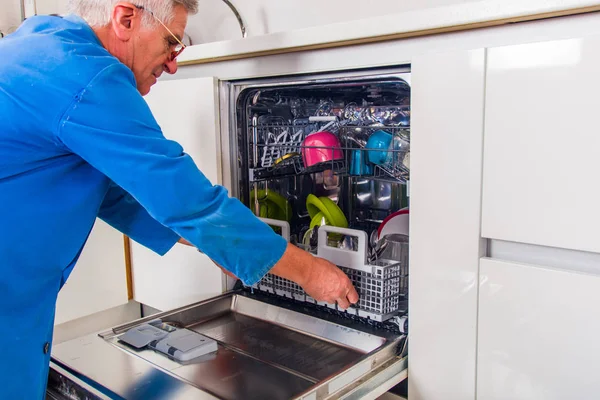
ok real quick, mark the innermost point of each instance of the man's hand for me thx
(321, 280)
(326, 282)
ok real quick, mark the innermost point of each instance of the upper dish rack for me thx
(378, 151)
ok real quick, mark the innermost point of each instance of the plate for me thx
(397, 222)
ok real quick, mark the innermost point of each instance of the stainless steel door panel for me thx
(265, 352)
(311, 357)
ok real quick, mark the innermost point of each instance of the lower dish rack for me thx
(381, 285)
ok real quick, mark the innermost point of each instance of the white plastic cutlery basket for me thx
(379, 284)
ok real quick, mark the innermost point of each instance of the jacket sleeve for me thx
(111, 127)
(120, 210)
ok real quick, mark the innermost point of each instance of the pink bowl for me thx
(320, 147)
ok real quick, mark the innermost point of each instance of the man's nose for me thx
(170, 66)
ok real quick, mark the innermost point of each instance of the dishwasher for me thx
(325, 161)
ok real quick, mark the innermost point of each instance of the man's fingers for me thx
(352, 295)
(343, 303)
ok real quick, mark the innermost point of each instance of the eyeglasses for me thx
(180, 46)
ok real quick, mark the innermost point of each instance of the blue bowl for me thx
(377, 146)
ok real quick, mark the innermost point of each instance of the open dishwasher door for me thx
(267, 349)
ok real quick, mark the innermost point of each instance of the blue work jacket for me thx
(78, 141)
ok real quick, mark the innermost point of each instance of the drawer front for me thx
(538, 333)
(541, 144)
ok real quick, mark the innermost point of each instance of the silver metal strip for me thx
(565, 259)
(73, 380)
(378, 381)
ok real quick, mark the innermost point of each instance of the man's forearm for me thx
(295, 265)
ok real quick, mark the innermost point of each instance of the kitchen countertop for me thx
(471, 15)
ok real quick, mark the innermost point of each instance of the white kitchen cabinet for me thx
(187, 112)
(541, 157)
(98, 281)
(445, 219)
(538, 333)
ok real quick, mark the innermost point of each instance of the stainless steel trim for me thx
(238, 17)
(228, 158)
(22, 3)
(369, 385)
(71, 383)
(378, 382)
(328, 78)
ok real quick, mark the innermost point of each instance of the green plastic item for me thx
(332, 213)
(317, 220)
(272, 205)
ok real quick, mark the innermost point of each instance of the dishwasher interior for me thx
(327, 165)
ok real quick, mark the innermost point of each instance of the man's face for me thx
(151, 50)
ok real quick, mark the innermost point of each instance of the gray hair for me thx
(98, 12)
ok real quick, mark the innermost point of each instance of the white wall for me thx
(10, 15)
(268, 16)
(99, 280)
(216, 22)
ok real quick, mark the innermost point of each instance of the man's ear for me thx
(125, 20)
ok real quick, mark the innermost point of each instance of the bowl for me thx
(272, 205)
(331, 212)
(321, 147)
(386, 149)
(395, 223)
(377, 146)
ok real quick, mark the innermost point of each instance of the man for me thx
(77, 141)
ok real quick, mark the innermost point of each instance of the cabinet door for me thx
(98, 281)
(445, 221)
(538, 333)
(541, 156)
(187, 111)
